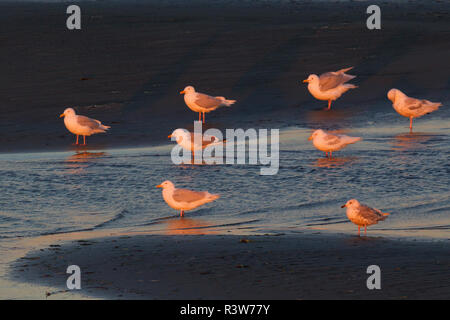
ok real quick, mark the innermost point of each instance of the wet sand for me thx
(304, 266)
(129, 62)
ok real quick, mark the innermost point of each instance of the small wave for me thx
(117, 217)
(304, 205)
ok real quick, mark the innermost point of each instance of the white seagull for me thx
(81, 125)
(184, 199)
(203, 103)
(330, 86)
(187, 140)
(411, 107)
(362, 215)
(328, 142)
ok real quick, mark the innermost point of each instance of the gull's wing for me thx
(331, 80)
(369, 213)
(185, 195)
(207, 140)
(414, 104)
(331, 139)
(88, 122)
(207, 102)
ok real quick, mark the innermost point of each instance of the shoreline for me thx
(309, 265)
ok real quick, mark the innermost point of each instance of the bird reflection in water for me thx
(187, 226)
(410, 141)
(80, 160)
(334, 162)
(322, 118)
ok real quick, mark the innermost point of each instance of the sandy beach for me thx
(303, 266)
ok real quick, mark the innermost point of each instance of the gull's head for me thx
(68, 112)
(311, 78)
(392, 93)
(187, 90)
(179, 134)
(316, 133)
(351, 203)
(166, 184)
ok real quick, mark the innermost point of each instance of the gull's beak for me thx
(159, 186)
(306, 80)
(310, 137)
(169, 136)
(182, 92)
(62, 115)
(343, 206)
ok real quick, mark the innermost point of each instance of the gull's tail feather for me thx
(345, 70)
(433, 106)
(211, 197)
(351, 140)
(355, 139)
(384, 215)
(226, 102)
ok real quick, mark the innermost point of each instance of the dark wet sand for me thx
(304, 266)
(129, 62)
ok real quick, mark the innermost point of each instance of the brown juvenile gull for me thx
(184, 199)
(331, 85)
(203, 103)
(81, 125)
(362, 215)
(411, 107)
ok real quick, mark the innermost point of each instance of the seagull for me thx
(330, 86)
(328, 142)
(362, 215)
(184, 199)
(187, 140)
(202, 103)
(411, 107)
(81, 125)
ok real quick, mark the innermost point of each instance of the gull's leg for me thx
(199, 116)
(326, 154)
(331, 154)
(77, 140)
(358, 231)
(84, 140)
(181, 213)
(204, 118)
(329, 104)
(365, 230)
(410, 123)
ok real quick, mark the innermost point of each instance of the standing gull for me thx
(81, 125)
(330, 86)
(187, 140)
(362, 215)
(411, 107)
(202, 103)
(184, 199)
(328, 142)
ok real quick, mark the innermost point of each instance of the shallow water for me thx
(51, 196)
(391, 169)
